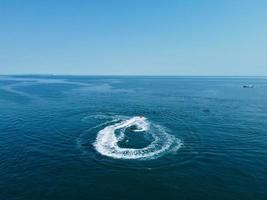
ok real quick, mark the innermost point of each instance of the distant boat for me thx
(248, 86)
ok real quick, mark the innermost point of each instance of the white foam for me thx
(107, 141)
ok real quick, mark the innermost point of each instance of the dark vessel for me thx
(248, 86)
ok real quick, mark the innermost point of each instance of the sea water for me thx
(119, 137)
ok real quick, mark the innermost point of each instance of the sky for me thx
(134, 37)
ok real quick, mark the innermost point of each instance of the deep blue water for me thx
(206, 138)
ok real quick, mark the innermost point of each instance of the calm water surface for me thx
(133, 138)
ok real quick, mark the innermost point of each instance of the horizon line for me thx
(149, 75)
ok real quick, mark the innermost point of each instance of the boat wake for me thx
(108, 139)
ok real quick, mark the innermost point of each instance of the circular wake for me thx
(107, 140)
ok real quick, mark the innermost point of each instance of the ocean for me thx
(133, 137)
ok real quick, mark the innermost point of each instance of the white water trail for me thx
(107, 141)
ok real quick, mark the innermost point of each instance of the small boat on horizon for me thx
(248, 86)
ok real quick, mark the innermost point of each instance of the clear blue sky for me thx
(133, 37)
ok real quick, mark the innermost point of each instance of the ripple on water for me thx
(103, 143)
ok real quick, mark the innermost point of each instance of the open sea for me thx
(133, 137)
